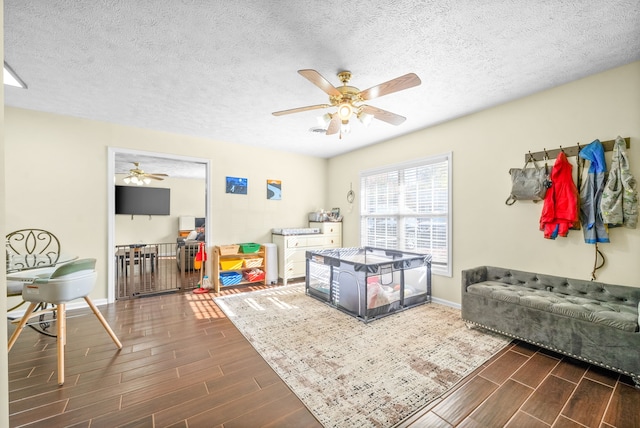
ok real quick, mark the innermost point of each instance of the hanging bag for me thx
(528, 184)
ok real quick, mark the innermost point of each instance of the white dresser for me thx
(292, 248)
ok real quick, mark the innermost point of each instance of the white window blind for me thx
(407, 207)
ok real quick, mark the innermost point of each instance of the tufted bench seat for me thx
(590, 321)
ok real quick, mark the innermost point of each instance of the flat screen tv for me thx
(142, 200)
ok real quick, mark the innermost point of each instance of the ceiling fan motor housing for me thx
(346, 103)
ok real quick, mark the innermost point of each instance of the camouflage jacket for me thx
(619, 203)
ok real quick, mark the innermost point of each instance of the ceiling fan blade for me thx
(394, 85)
(322, 83)
(153, 177)
(385, 116)
(157, 175)
(299, 109)
(334, 125)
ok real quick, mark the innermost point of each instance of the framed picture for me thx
(237, 185)
(274, 190)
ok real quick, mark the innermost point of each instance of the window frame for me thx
(437, 269)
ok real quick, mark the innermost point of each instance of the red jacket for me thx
(560, 210)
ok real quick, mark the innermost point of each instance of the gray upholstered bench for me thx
(590, 321)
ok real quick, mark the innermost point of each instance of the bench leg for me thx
(104, 322)
(21, 324)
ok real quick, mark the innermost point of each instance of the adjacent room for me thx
(409, 214)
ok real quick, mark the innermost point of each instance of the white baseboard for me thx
(446, 303)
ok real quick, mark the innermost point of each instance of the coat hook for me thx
(562, 150)
(546, 155)
(531, 158)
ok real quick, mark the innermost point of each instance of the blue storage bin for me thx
(230, 278)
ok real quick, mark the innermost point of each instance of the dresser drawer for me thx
(296, 242)
(328, 228)
(332, 242)
(296, 269)
(310, 241)
(316, 241)
(295, 255)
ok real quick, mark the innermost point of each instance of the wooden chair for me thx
(68, 282)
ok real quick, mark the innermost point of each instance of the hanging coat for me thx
(560, 209)
(619, 204)
(593, 226)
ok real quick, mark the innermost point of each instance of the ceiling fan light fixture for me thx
(323, 121)
(139, 177)
(365, 118)
(344, 111)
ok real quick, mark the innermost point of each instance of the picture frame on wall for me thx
(274, 190)
(237, 185)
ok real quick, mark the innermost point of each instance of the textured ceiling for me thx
(174, 168)
(218, 69)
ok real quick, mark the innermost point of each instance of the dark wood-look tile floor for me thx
(184, 364)
(526, 386)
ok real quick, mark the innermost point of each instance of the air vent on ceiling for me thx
(318, 130)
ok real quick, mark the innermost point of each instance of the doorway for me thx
(120, 161)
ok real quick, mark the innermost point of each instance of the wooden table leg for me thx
(21, 324)
(62, 340)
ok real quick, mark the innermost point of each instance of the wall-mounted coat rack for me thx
(570, 151)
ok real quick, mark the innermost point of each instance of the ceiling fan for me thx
(139, 177)
(350, 100)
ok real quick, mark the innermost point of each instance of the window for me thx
(407, 207)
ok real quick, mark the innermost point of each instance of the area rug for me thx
(352, 374)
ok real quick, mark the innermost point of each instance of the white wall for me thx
(484, 146)
(56, 179)
(55, 174)
(4, 373)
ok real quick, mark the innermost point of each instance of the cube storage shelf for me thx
(238, 264)
(368, 282)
